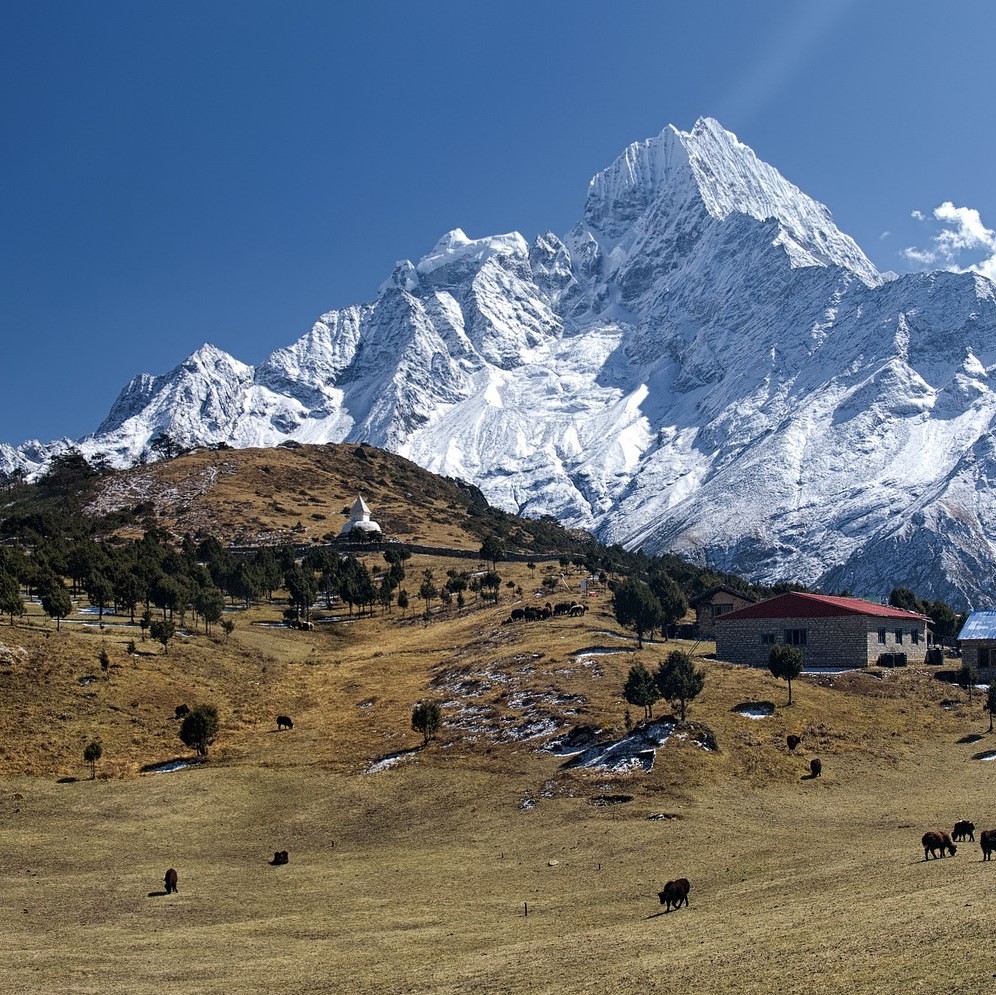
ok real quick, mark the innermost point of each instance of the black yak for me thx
(284, 722)
(674, 893)
(935, 843)
(963, 830)
(987, 840)
(169, 879)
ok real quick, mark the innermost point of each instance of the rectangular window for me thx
(881, 636)
(767, 639)
(795, 637)
(914, 636)
(899, 637)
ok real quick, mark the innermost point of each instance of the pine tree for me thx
(678, 680)
(785, 662)
(640, 689)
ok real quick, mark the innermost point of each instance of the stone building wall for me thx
(838, 641)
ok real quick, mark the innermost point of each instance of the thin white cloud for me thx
(959, 231)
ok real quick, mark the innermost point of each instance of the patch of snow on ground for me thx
(167, 767)
(636, 750)
(390, 760)
(756, 710)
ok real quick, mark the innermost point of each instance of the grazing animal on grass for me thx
(181, 710)
(279, 857)
(963, 830)
(674, 893)
(518, 614)
(816, 767)
(793, 742)
(169, 879)
(935, 843)
(576, 610)
(306, 626)
(987, 840)
(562, 607)
(284, 722)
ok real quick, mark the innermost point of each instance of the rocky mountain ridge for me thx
(704, 364)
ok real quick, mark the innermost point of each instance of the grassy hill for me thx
(479, 863)
(303, 495)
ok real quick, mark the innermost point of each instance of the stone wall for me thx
(839, 641)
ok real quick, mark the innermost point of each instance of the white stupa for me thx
(359, 521)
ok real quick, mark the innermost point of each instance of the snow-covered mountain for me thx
(703, 364)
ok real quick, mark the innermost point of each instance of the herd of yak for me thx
(936, 842)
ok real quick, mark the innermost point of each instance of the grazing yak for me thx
(518, 614)
(169, 879)
(279, 857)
(674, 893)
(935, 843)
(534, 614)
(793, 742)
(576, 610)
(816, 767)
(963, 830)
(987, 840)
(562, 607)
(181, 710)
(284, 722)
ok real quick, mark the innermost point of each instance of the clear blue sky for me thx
(225, 171)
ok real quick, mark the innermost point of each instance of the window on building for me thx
(795, 637)
(881, 636)
(914, 636)
(899, 637)
(767, 639)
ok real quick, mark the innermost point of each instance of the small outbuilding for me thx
(978, 643)
(718, 601)
(360, 525)
(828, 631)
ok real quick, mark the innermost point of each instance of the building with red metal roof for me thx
(828, 631)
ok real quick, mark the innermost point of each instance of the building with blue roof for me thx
(978, 642)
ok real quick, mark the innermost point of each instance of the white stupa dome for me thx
(359, 520)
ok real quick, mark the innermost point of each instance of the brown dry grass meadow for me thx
(431, 876)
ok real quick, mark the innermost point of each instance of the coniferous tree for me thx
(199, 728)
(679, 681)
(968, 677)
(11, 603)
(92, 752)
(785, 662)
(640, 689)
(636, 607)
(426, 719)
(163, 630)
(56, 601)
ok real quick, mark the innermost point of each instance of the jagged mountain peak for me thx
(708, 169)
